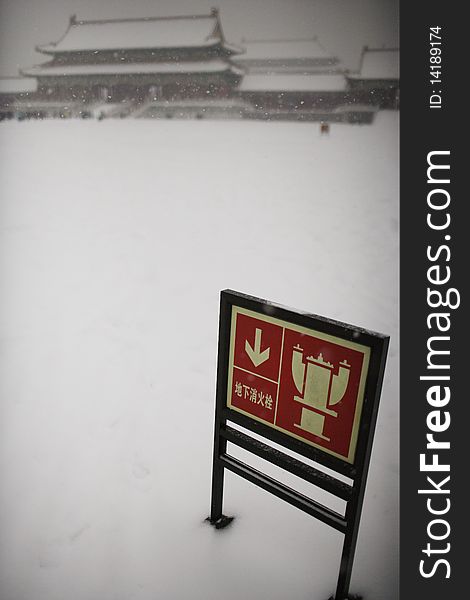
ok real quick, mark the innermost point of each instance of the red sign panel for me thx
(305, 383)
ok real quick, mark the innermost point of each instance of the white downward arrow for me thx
(256, 356)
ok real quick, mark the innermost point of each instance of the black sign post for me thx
(256, 339)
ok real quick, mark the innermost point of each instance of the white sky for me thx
(343, 26)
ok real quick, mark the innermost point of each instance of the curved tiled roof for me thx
(148, 32)
(379, 63)
(299, 49)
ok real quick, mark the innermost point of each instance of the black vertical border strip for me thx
(220, 443)
(423, 130)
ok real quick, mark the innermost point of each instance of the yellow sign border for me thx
(364, 350)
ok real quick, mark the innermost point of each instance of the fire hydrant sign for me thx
(305, 383)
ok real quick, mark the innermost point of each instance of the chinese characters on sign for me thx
(255, 396)
(305, 383)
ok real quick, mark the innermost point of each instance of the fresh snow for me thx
(284, 49)
(163, 32)
(116, 239)
(288, 82)
(15, 85)
(379, 64)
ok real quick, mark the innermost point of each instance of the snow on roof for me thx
(149, 32)
(285, 49)
(16, 85)
(379, 63)
(288, 83)
(126, 68)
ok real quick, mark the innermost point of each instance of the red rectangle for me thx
(254, 395)
(305, 383)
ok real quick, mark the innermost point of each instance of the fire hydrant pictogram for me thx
(319, 388)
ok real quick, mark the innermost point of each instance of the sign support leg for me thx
(345, 570)
(217, 518)
(353, 516)
(217, 482)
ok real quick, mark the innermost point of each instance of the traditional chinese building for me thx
(161, 59)
(280, 56)
(14, 92)
(184, 67)
(377, 81)
(297, 80)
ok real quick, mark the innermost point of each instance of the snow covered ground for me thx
(116, 238)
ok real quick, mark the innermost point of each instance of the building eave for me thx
(359, 78)
(51, 50)
(125, 69)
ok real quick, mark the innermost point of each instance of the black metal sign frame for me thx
(353, 494)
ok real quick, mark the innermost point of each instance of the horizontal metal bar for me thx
(291, 443)
(315, 509)
(296, 467)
